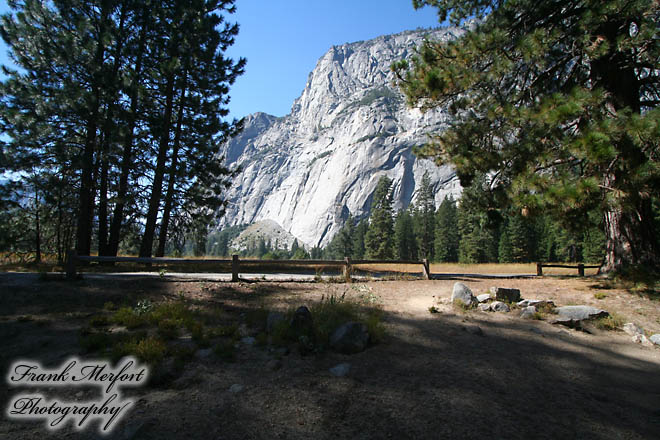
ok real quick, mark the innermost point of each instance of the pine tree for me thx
(425, 218)
(479, 240)
(558, 100)
(404, 236)
(379, 239)
(358, 239)
(446, 232)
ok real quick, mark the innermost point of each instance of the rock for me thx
(505, 294)
(273, 319)
(484, 307)
(248, 340)
(641, 339)
(655, 339)
(499, 306)
(204, 353)
(632, 329)
(349, 117)
(236, 388)
(528, 312)
(484, 297)
(302, 323)
(274, 364)
(539, 303)
(340, 370)
(463, 293)
(351, 337)
(574, 315)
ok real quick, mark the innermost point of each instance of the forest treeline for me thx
(465, 231)
(112, 124)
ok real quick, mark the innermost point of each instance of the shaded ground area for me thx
(435, 375)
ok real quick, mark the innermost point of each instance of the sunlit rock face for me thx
(309, 170)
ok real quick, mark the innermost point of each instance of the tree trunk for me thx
(86, 200)
(174, 169)
(157, 187)
(126, 165)
(631, 238)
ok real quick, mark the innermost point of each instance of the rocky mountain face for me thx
(309, 170)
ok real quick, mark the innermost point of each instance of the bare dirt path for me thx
(451, 374)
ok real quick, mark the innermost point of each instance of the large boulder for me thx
(574, 315)
(462, 293)
(349, 338)
(505, 294)
(301, 323)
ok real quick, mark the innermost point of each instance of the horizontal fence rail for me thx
(580, 267)
(74, 260)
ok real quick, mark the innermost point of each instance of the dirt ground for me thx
(434, 375)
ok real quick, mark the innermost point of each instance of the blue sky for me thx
(283, 39)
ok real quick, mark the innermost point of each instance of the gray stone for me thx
(273, 319)
(351, 337)
(236, 388)
(484, 307)
(484, 297)
(528, 312)
(248, 340)
(641, 339)
(505, 294)
(574, 315)
(340, 370)
(499, 306)
(535, 303)
(463, 293)
(204, 353)
(655, 338)
(632, 329)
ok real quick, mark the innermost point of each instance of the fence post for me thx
(427, 270)
(347, 269)
(539, 269)
(71, 257)
(581, 269)
(234, 268)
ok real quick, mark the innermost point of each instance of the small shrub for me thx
(226, 330)
(169, 328)
(175, 310)
(99, 321)
(226, 351)
(198, 334)
(281, 334)
(600, 295)
(127, 317)
(433, 309)
(257, 317)
(612, 322)
(95, 341)
(461, 305)
(150, 349)
(375, 326)
(261, 339)
(143, 307)
(109, 306)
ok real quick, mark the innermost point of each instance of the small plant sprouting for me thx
(433, 309)
(600, 295)
(143, 307)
